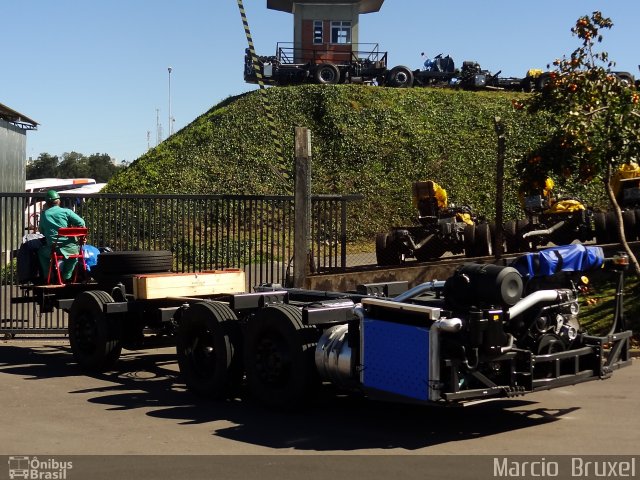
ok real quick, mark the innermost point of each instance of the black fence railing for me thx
(204, 232)
(343, 54)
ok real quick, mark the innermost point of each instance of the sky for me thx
(94, 75)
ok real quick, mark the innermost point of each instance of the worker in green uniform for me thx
(52, 218)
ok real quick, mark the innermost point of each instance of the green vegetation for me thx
(8, 273)
(372, 141)
(597, 306)
(99, 166)
(594, 118)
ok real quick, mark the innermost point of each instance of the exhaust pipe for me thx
(548, 231)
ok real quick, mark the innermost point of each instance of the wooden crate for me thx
(164, 285)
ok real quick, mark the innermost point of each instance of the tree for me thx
(101, 167)
(594, 124)
(45, 166)
(73, 165)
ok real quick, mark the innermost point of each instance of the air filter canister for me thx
(483, 286)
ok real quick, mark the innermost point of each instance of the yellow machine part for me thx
(626, 171)
(534, 72)
(423, 190)
(464, 217)
(565, 206)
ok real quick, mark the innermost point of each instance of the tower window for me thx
(318, 37)
(341, 32)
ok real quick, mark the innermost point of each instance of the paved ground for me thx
(50, 407)
(138, 418)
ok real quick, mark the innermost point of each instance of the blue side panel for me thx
(396, 358)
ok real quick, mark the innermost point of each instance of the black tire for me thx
(529, 85)
(626, 78)
(548, 344)
(95, 338)
(135, 262)
(279, 356)
(470, 240)
(400, 77)
(483, 245)
(493, 232)
(327, 74)
(381, 248)
(387, 253)
(523, 244)
(601, 232)
(209, 350)
(511, 237)
(542, 82)
(629, 222)
(612, 227)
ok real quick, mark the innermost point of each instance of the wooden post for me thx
(499, 235)
(302, 206)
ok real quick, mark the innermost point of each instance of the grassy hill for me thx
(373, 141)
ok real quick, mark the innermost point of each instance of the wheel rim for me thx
(200, 352)
(273, 360)
(401, 78)
(327, 75)
(86, 333)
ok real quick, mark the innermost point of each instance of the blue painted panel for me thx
(396, 358)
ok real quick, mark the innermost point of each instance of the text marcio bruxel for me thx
(579, 467)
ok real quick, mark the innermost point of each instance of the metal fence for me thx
(204, 232)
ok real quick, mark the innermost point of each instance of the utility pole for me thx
(498, 249)
(302, 207)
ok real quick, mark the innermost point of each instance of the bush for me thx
(9, 273)
(372, 141)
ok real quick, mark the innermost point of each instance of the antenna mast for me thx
(158, 128)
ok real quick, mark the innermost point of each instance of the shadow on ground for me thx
(148, 380)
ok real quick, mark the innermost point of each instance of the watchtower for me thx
(325, 30)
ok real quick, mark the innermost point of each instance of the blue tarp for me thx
(568, 258)
(90, 255)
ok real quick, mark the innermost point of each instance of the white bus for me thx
(90, 188)
(59, 184)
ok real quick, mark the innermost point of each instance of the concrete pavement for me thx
(50, 407)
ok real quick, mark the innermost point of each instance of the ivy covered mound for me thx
(367, 140)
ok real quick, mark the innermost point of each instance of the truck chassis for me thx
(481, 334)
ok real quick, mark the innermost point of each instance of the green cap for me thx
(52, 195)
